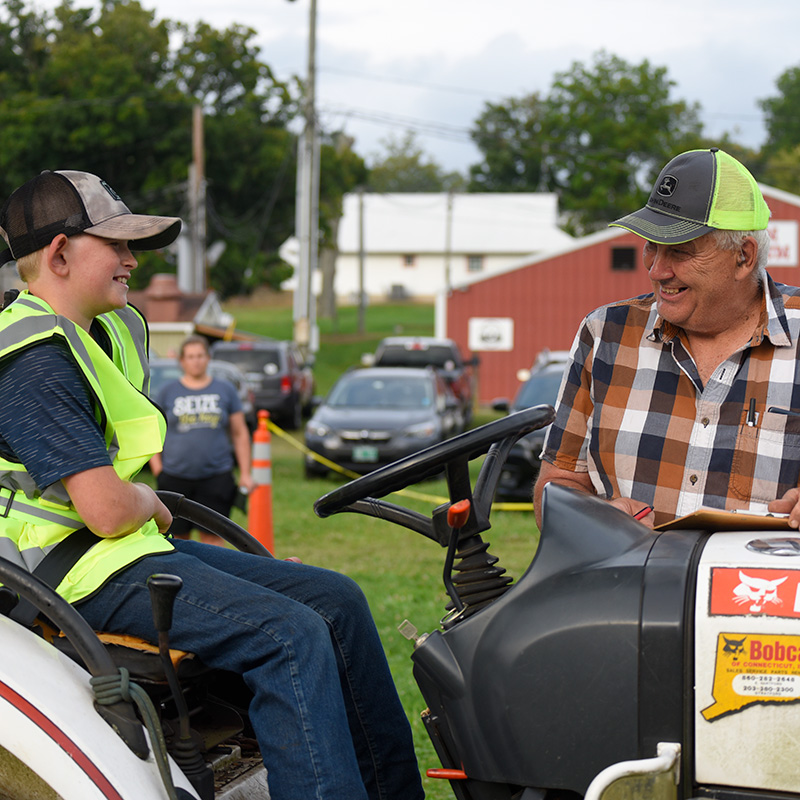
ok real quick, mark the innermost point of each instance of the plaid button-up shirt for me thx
(634, 414)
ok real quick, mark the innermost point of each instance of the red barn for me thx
(509, 317)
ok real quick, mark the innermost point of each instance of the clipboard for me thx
(711, 519)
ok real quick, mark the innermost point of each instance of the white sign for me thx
(782, 243)
(491, 333)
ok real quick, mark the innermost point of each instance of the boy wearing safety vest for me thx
(76, 427)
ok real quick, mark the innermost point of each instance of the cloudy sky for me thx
(431, 65)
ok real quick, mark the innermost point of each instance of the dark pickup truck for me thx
(442, 354)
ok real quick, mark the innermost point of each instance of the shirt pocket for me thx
(766, 458)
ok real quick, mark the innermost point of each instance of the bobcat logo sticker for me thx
(733, 647)
(755, 591)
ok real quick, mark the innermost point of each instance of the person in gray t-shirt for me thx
(207, 436)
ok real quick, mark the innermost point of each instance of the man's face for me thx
(696, 284)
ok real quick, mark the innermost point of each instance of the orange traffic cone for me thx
(259, 515)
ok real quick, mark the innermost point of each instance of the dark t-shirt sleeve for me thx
(47, 420)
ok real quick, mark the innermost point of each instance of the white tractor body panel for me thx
(48, 721)
(747, 661)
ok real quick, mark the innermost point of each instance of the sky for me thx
(432, 65)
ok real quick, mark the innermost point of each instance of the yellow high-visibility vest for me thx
(32, 522)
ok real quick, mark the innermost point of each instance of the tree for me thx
(780, 154)
(782, 169)
(513, 142)
(781, 115)
(598, 139)
(112, 91)
(405, 167)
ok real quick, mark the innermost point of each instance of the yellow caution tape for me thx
(278, 431)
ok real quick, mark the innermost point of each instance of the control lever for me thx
(457, 516)
(163, 590)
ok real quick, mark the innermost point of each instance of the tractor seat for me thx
(140, 658)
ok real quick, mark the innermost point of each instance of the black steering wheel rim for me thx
(432, 460)
(219, 524)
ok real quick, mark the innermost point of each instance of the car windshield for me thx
(384, 392)
(402, 356)
(539, 388)
(252, 360)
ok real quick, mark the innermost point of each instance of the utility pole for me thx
(361, 259)
(307, 211)
(448, 242)
(197, 196)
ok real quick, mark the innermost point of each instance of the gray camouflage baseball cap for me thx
(72, 202)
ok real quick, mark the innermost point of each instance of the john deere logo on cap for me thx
(110, 190)
(667, 186)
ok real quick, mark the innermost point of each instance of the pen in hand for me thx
(641, 514)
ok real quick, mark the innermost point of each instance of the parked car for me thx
(282, 382)
(164, 370)
(541, 385)
(373, 416)
(428, 351)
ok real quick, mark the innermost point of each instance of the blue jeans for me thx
(325, 709)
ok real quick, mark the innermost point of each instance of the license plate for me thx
(365, 454)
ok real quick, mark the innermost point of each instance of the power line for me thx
(442, 130)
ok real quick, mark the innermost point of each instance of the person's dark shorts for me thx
(217, 492)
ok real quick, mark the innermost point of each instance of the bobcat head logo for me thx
(757, 591)
(734, 647)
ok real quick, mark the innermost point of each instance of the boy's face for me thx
(99, 273)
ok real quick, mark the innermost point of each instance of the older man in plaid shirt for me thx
(689, 396)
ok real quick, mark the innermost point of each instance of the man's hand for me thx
(788, 504)
(635, 508)
(583, 483)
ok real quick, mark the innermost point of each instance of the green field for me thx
(399, 571)
(341, 345)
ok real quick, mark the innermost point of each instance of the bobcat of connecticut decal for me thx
(753, 668)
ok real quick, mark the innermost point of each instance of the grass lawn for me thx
(399, 571)
(341, 344)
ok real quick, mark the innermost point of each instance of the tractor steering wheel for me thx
(453, 455)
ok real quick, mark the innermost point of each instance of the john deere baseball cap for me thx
(71, 202)
(696, 193)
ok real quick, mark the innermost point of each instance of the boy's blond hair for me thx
(28, 266)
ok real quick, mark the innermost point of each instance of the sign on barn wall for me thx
(491, 333)
(782, 243)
